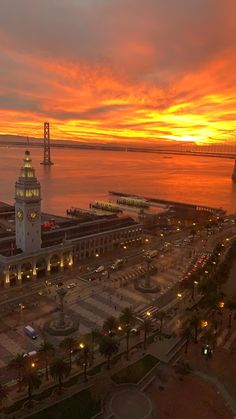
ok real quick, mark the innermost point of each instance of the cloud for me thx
(127, 69)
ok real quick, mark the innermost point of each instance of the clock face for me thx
(33, 215)
(19, 214)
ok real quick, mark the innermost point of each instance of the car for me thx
(59, 284)
(29, 354)
(99, 269)
(104, 273)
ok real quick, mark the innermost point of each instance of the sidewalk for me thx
(229, 401)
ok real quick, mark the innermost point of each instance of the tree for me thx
(186, 335)
(95, 336)
(110, 325)
(108, 347)
(147, 328)
(31, 380)
(46, 351)
(85, 358)
(231, 305)
(69, 344)
(195, 322)
(18, 364)
(58, 370)
(127, 320)
(160, 316)
(3, 393)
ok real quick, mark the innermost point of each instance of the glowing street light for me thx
(148, 313)
(179, 295)
(97, 255)
(119, 328)
(221, 304)
(81, 345)
(204, 323)
(32, 364)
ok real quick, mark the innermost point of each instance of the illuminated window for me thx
(30, 193)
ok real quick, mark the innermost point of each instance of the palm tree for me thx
(18, 364)
(160, 316)
(3, 393)
(58, 370)
(46, 351)
(231, 305)
(95, 336)
(186, 335)
(195, 322)
(108, 347)
(127, 319)
(31, 380)
(84, 358)
(147, 328)
(110, 325)
(69, 344)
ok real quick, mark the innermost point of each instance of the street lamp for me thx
(221, 304)
(81, 345)
(119, 328)
(97, 255)
(148, 313)
(32, 364)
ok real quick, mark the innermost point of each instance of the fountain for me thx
(61, 324)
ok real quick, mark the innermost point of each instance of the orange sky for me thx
(119, 70)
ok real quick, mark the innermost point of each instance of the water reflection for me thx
(79, 176)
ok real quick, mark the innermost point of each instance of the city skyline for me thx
(120, 71)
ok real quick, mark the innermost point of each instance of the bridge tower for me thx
(234, 152)
(47, 152)
(234, 172)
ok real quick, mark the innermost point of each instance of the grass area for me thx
(79, 406)
(16, 406)
(133, 373)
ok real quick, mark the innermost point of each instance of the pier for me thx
(168, 203)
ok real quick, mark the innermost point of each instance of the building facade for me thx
(38, 253)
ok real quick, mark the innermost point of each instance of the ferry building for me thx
(34, 244)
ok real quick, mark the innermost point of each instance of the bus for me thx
(29, 331)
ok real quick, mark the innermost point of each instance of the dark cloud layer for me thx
(139, 61)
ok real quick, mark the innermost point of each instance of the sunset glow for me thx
(137, 71)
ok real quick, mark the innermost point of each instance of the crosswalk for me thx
(91, 309)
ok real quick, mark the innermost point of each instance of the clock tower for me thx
(28, 208)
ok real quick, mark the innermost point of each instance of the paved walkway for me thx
(229, 401)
